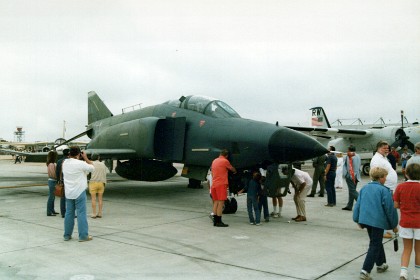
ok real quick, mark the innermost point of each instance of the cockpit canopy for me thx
(204, 105)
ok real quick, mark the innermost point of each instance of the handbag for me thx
(59, 189)
(59, 186)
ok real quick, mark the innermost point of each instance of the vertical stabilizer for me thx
(97, 109)
(319, 118)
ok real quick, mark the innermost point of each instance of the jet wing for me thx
(113, 153)
(30, 157)
(104, 153)
(328, 133)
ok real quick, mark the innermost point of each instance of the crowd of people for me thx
(375, 204)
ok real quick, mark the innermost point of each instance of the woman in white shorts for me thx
(407, 199)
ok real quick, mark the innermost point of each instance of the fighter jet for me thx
(191, 130)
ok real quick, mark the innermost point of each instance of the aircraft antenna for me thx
(358, 120)
(381, 121)
(131, 108)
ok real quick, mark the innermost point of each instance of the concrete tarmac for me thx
(162, 231)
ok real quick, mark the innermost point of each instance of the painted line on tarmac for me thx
(21, 186)
(349, 261)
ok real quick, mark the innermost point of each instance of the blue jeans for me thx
(329, 187)
(262, 203)
(252, 205)
(353, 194)
(78, 204)
(51, 196)
(376, 252)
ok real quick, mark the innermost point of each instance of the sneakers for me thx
(364, 276)
(402, 277)
(382, 268)
(274, 215)
(258, 224)
(251, 223)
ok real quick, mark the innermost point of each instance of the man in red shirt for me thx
(219, 169)
(395, 154)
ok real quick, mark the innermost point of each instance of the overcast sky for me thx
(269, 60)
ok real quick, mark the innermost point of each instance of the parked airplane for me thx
(364, 140)
(37, 151)
(413, 133)
(38, 146)
(191, 130)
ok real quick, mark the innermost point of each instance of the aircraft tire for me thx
(194, 184)
(366, 169)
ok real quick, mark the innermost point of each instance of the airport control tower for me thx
(19, 134)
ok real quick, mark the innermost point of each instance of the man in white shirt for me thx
(380, 160)
(302, 183)
(75, 184)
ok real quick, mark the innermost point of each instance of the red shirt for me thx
(219, 170)
(407, 195)
(396, 155)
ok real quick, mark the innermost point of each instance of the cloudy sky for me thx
(270, 60)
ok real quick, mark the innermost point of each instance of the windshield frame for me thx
(205, 105)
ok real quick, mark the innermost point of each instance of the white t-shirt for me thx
(301, 177)
(75, 177)
(379, 160)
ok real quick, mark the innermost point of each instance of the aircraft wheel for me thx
(194, 184)
(366, 169)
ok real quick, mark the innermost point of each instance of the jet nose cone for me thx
(287, 145)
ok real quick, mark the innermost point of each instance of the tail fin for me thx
(319, 118)
(97, 109)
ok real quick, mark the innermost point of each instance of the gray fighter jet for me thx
(190, 130)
